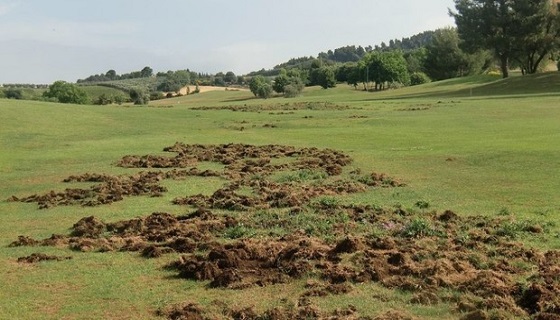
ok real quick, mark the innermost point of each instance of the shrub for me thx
(13, 94)
(419, 78)
(293, 90)
(139, 97)
(103, 99)
(158, 95)
(264, 91)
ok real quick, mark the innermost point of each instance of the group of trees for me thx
(288, 83)
(64, 92)
(508, 33)
(521, 33)
(112, 75)
(433, 55)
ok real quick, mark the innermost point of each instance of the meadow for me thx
(480, 147)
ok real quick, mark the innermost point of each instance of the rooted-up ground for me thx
(226, 241)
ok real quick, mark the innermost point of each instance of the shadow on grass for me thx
(543, 84)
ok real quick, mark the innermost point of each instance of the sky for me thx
(43, 41)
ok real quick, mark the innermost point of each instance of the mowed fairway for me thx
(457, 145)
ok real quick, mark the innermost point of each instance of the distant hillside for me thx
(350, 53)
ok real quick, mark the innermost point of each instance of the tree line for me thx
(505, 33)
(518, 33)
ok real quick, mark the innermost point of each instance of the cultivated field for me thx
(431, 202)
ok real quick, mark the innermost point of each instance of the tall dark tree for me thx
(111, 74)
(230, 77)
(445, 59)
(509, 28)
(326, 77)
(146, 72)
(540, 34)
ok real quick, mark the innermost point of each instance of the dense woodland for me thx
(491, 36)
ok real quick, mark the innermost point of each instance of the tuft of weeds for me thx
(239, 231)
(504, 212)
(418, 228)
(422, 204)
(328, 202)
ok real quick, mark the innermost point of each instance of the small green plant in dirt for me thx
(513, 229)
(504, 212)
(478, 262)
(418, 228)
(239, 231)
(328, 202)
(422, 204)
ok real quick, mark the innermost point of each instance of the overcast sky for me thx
(46, 40)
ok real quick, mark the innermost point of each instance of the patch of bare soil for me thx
(281, 107)
(38, 257)
(426, 254)
(242, 162)
(305, 311)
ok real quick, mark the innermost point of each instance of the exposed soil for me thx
(425, 253)
(282, 107)
(38, 257)
(300, 312)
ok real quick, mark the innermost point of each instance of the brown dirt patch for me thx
(293, 106)
(38, 257)
(423, 253)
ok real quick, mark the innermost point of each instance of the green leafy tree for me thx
(111, 74)
(174, 81)
(66, 92)
(444, 59)
(280, 82)
(264, 91)
(522, 30)
(146, 72)
(416, 59)
(260, 87)
(386, 67)
(230, 77)
(326, 78)
(289, 83)
(540, 34)
(355, 76)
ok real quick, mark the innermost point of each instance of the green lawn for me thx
(476, 146)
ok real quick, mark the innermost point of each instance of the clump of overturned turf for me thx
(244, 166)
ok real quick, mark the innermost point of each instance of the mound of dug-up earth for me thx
(331, 245)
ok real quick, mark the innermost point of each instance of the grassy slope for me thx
(95, 91)
(474, 154)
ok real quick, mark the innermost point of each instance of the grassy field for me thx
(477, 146)
(94, 92)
